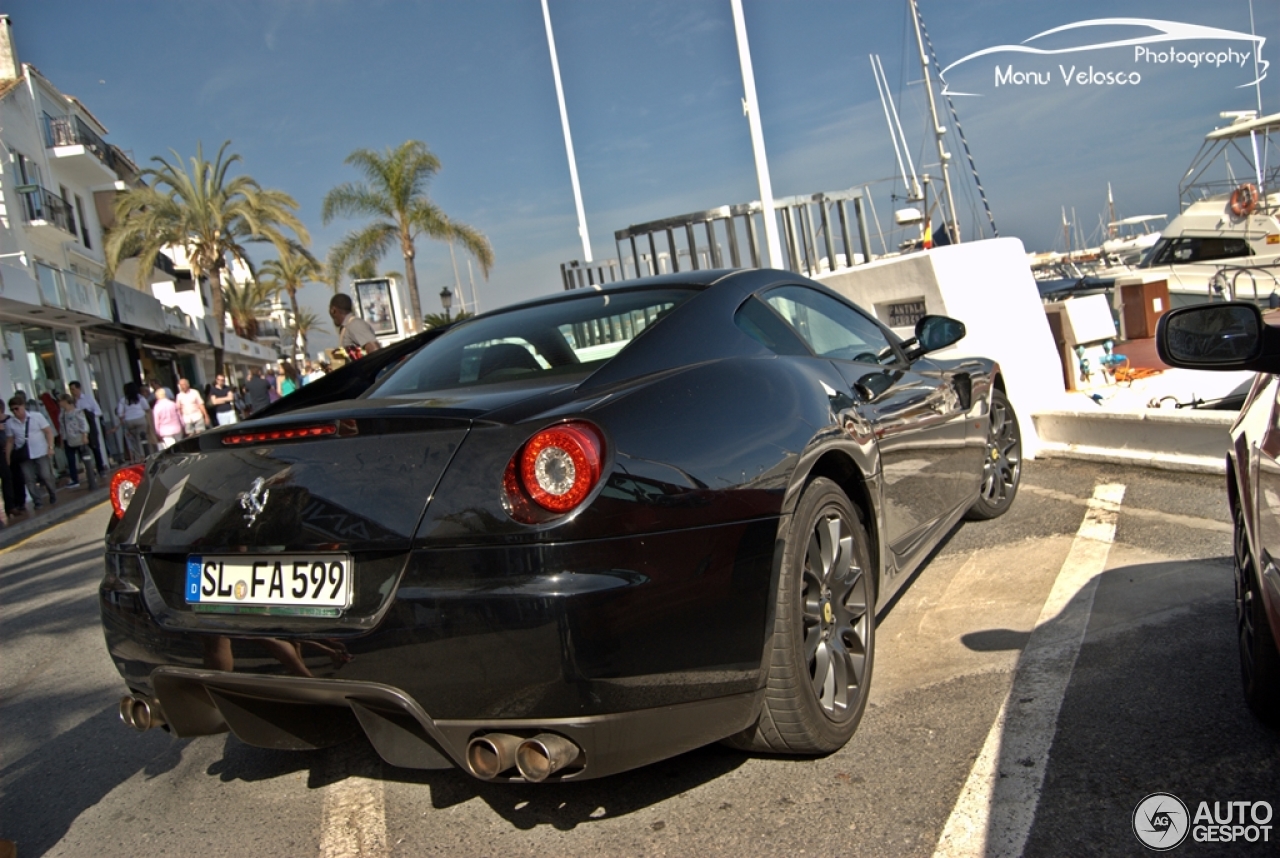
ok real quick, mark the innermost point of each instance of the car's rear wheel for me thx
(1259, 659)
(1002, 462)
(819, 668)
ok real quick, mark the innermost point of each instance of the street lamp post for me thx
(446, 301)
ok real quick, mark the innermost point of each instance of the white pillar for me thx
(773, 248)
(568, 139)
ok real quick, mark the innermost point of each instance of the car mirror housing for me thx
(933, 333)
(1218, 336)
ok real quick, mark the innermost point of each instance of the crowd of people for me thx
(149, 417)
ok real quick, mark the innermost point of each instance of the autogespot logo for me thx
(1160, 821)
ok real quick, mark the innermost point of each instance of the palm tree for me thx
(305, 322)
(205, 212)
(435, 320)
(244, 302)
(289, 273)
(395, 194)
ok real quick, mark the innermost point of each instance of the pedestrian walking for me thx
(355, 335)
(134, 414)
(222, 397)
(289, 378)
(167, 420)
(93, 414)
(75, 442)
(273, 380)
(259, 390)
(154, 386)
(14, 488)
(28, 441)
(195, 418)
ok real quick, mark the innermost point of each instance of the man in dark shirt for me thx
(259, 390)
(223, 399)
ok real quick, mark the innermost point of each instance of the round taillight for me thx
(558, 467)
(124, 484)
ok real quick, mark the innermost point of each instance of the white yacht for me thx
(1226, 241)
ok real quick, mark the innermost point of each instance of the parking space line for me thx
(997, 805)
(354, 822)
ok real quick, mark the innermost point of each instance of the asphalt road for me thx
(1042, 675)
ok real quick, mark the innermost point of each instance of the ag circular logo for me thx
(1160, 821)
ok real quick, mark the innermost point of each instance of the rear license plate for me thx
(281, 584)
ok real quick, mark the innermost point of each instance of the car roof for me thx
(698, 279)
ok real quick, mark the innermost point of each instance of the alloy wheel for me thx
(836, 616)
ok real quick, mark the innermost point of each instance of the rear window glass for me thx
(563, 338)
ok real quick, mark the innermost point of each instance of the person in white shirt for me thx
(191, 405)
(28, 439)
(135, 414)
(93, 414)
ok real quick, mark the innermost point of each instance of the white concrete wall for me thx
(988, 286)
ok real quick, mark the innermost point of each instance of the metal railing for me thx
(74, 131)
(815, 231)
(42, 204)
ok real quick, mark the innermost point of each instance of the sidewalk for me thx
(71, 502)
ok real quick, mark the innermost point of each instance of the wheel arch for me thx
(841, 469)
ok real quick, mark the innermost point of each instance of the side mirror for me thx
(933, 333)
(1218, 336)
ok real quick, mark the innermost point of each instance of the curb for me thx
(1181, 440)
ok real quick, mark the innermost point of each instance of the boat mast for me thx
(938, 130)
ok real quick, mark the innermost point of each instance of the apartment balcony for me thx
(47, 214)
(77, 152)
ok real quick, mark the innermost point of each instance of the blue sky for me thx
(653, 90)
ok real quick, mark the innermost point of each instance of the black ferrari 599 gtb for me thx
(562, 539)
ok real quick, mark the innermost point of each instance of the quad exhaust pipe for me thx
(536, 759)
(141, 713)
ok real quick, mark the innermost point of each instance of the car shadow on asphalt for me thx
(47, 790)
(563, 806)
(1153, 704)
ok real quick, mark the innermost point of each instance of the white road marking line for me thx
(354, 823)
(997, 805)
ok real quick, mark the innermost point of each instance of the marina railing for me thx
(816, 233)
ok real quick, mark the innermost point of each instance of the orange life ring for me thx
(1244, 200)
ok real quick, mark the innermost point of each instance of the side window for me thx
(832, 328)
(1172, 251)
(763, 325)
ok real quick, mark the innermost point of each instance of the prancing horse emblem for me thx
(255, 500)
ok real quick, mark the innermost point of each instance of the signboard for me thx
(374, 304)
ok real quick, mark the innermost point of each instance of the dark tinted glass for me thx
(1213, 334)
(562, 338)
(1183, 249)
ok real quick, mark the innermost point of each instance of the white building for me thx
(60, 318)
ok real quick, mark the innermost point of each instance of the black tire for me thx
(823, 647)
(1001, 463)
(1259, 659)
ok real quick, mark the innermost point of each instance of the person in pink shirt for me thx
(167, 418)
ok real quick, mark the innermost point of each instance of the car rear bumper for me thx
(297, 713)
(634, 648)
